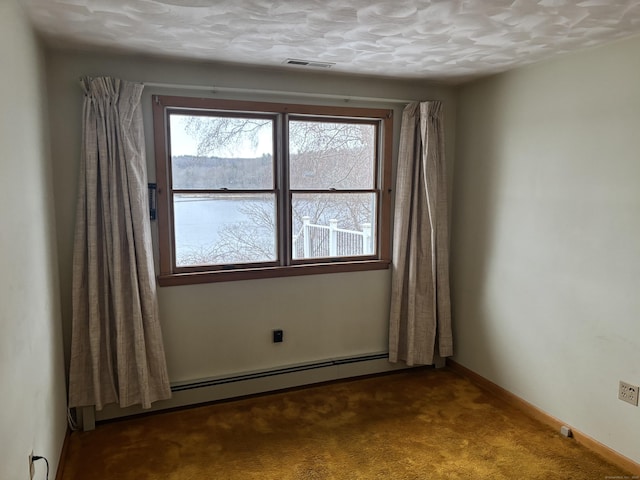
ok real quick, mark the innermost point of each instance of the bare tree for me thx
(323, 156)
(221, 136)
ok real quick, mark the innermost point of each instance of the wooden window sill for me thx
(191, 278)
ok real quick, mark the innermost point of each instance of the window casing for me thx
(255, 190)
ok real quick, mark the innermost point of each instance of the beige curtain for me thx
(117, 353)
(420, 316)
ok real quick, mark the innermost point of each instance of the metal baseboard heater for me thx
(277, 371)
(240, 384)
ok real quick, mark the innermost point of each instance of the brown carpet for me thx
(420, 424)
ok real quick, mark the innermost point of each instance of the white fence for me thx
(313, 241)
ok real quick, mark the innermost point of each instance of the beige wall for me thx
(546, 237)
(225, 328)
(33, 400)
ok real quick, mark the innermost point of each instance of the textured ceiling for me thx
(443, 40)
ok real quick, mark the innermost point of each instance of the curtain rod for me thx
(216, 89)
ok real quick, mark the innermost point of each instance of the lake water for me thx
(199, 222)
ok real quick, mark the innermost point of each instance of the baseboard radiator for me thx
(278, 371)
(249, 383)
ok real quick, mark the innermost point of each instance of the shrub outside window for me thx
(254, 189)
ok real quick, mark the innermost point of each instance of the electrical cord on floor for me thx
(36, 457)
(71, 421)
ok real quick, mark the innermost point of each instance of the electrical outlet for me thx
(278, 336)
(628, 393)
(566, 431)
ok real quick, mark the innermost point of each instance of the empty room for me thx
(307, 239)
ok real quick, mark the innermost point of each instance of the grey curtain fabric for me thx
(420, 315)
(117, 353)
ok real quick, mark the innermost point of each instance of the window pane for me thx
(214, 152)
(220, 229)
(327, 155)
(333, 225)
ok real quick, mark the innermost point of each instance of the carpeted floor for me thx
(419, 424)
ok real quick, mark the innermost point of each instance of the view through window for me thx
(247, 187)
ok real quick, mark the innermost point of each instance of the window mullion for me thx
(282, 188)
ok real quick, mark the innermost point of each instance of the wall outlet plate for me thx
(278, 336)
(628, 393)
(566, 431)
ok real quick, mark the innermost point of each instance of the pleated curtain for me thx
(420, 314)
(117, 354)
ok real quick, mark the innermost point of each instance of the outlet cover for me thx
(628, 393)
(278, 336)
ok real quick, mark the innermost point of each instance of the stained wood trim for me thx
(386, 190)
(171, 274)
(238, 106)
(540, 415)
(269, 272)
(163, 197)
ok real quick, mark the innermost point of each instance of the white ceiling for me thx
(441, 40)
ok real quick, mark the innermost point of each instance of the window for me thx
(252, 190)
